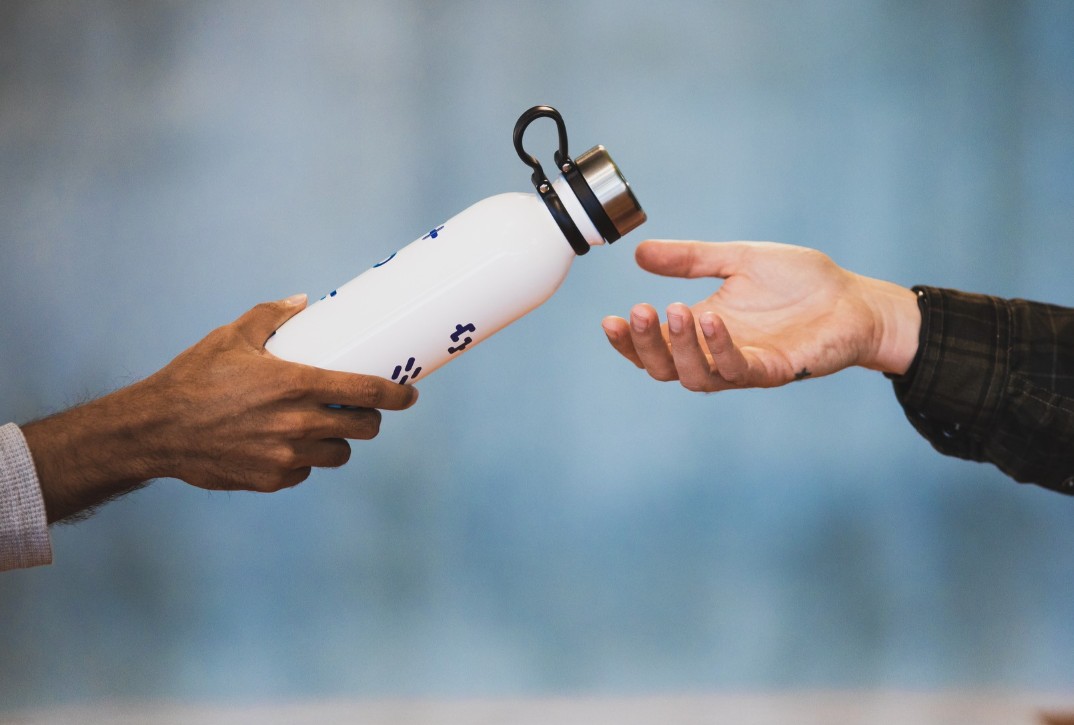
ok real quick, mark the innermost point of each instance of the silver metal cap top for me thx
(611, 189)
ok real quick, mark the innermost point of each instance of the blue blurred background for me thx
(547, 519)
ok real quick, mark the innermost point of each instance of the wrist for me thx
(90, 453)
(896, 326)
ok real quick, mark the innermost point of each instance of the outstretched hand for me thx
(783, 313)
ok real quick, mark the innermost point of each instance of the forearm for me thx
(94, 452)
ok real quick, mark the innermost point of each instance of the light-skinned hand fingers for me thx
(694, 369)
(649, 342)
(618, 331)
(672, 258)
(730, 363)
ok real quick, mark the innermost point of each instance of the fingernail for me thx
(639, 323)
(606, 323)
(708, 324)
(295, 299)
(675, 322)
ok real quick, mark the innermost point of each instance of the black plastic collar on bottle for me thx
(588, 199)
(544, 186)
(563, 219)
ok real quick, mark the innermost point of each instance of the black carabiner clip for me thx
(520, 129)
(540, 180)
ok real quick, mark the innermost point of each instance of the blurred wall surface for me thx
(546, 519)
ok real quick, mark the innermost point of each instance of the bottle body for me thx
(437, 297)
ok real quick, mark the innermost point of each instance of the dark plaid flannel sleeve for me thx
(994, 381)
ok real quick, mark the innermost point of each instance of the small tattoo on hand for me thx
(802, 374)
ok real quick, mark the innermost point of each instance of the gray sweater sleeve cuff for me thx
(24, 538)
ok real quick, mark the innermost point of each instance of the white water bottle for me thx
(469, 277)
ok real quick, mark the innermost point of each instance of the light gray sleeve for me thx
(24, 539)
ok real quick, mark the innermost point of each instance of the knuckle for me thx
(259, 319)
(260, 482)
(222, 337)
(339, 454)
(265, 309)
(692, 261)
(664, 376)
(295, 425)
(289, 479)
(720, 346)
(371, 391)
(366, 425)
(733, 377)
(268, 484)
(293, 384)
(281, 479)
(283, 458)
(695, 386)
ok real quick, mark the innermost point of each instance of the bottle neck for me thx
(576, 211)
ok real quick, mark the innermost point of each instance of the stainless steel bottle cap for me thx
(593, 181)
(611, 189)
